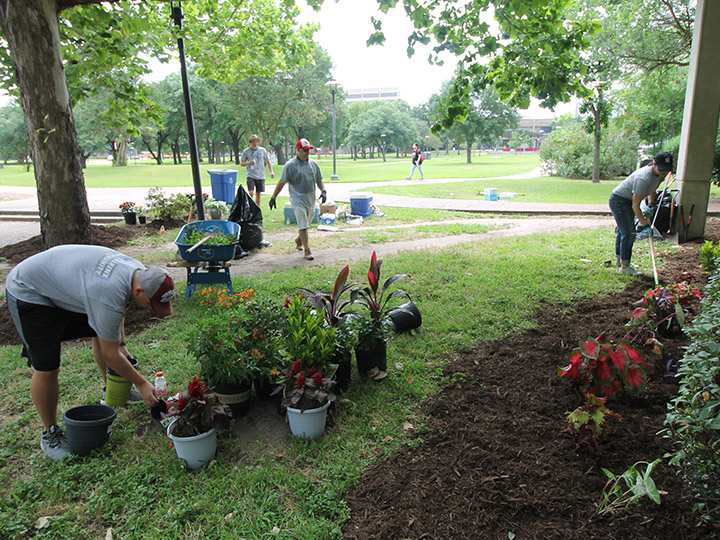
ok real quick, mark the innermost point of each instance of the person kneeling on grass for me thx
(74, 291)
(625, 202)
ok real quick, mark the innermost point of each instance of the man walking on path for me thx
(254, 158)
(302, 174)
(74, 291)
(625, 202)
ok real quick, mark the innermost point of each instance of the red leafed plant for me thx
(198, 410)
(605, 369)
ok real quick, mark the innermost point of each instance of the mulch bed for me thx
(495, 459)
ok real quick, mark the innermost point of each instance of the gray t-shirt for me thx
(260, 156)
(641, 182)
(302, 177)
(93, 280)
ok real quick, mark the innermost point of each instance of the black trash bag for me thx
(248, 215)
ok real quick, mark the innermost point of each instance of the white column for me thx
(700, 119)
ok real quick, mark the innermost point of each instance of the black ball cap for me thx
(664, 161)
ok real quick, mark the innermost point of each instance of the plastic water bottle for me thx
(160, 385)
(287, 221)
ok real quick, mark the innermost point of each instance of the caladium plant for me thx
(606, 369)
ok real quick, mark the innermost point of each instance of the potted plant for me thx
(308, 338)
(129, 212)
(335, 310)
(373, 328)
(216, 208)
(236, 343)
(306, 395)
(198, 414)
(142, 218)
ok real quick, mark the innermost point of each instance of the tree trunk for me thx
(31, 31)
(280, 154)
(468, 151)
(596, 152)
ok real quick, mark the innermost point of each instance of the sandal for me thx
(309, 257)
(298, 244)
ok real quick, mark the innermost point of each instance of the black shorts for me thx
(256, 184)
(43, 328)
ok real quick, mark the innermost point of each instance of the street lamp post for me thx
(333, 89)
(382, 136)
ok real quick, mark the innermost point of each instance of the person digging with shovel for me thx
(74, 291)
(625, 202)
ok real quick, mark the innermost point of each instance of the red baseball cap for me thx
(160, 288)
(305, 144)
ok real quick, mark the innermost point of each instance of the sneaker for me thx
(53, 443)
(630, 269)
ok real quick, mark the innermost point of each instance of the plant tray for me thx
(223, 252)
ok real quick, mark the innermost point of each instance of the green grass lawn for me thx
(100, 173)
(547, 189)
(292, 490)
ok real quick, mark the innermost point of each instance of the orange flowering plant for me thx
(239, 343)
(128, 208)
(605, 369)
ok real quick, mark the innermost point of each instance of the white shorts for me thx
(303, 216)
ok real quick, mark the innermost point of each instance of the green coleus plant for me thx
(606, 369)
(588, 422)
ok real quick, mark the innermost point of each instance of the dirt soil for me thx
(494, 458)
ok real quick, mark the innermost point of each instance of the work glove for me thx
(271, 203)
(323, 196)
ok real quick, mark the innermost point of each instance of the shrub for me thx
(693, 420)
(167, 207)
(568, 152)
(709, 254)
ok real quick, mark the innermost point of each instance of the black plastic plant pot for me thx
(343, 373)
(236, 396)
(370, 355)
(406, 317)
(87, 427)
(158, 410)
(263, 388)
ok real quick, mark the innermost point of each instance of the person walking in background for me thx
(74, 291)
(625, 202)
(417, 158)
(254, 158)
(302, 174)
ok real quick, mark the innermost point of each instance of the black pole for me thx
(334, 143)
(177, 17)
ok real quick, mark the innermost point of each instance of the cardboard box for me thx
(328, 208)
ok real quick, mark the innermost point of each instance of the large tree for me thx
(486, 120)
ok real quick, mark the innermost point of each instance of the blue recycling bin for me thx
(223, 184)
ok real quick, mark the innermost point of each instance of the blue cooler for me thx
(223, 184)
(361, 203)
(491, 194)
(289, 214)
